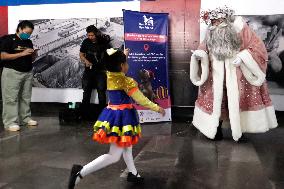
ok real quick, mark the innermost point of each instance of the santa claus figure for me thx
(229, 67)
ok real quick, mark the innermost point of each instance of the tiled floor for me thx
(170, 155)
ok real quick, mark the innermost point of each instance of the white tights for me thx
(113, 156)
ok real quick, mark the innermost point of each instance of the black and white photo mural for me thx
(270, 29)
(58, 42)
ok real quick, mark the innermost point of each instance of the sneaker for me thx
(75, 172)
(134, 178)
(32, 123)
(13, 128)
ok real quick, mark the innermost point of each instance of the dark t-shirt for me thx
(12, 44)
(94, 52)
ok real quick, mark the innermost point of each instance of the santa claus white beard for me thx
(223, 41)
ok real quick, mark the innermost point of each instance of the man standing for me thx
(94, 76)
(17, 54)
(232, 86)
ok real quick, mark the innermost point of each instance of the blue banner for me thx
(146, 35)
(37, 2)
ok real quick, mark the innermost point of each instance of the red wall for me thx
(184, 25)
(3, 20)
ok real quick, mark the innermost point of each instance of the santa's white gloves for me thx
(237, 62)
(198, 54)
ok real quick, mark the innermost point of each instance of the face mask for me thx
(24, 36)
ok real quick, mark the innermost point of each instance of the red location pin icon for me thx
(146, 47)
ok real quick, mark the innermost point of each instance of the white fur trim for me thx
(218, 73)
(249, 121)
(258, 121)
(194, 69)
(250, 69)
(233, 99)
(238, 24)
(206, 123)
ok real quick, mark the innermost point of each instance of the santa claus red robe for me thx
(249, 106)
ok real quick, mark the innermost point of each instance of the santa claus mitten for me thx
(198, 54)
(251, 69)
(237, 62)
(199, 67)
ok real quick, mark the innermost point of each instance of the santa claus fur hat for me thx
(219, 12)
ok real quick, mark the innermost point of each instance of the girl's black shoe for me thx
(75, 172)
(134, 178)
